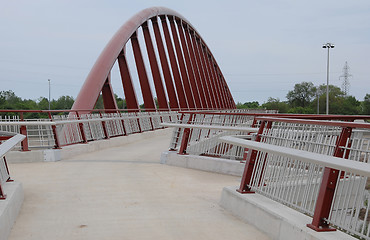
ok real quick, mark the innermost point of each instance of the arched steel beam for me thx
(97, 80)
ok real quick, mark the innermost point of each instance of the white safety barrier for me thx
(205, 130)
(291, 162)
(5, 147)
(70, 129)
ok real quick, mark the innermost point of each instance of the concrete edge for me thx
(10, 207)
(52, 155)
(272, 218)
(209, 164)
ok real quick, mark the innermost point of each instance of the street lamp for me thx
(49, 93)
(328, 46)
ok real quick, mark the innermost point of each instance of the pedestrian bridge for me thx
(110, 183)
(94, 173)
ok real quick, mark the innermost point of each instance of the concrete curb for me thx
(209, 164)
(52, 155)
(10, 207)
(272, 218)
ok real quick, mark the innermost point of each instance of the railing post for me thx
(54, 130)
(123, 124)
(2, 193)
(104, 127)
(327, 188)
(7, 170)
(23, 130)
(81, 125)
(138, 123)
(250, 162)
(185, 138)
(176, 142)
(151, 121)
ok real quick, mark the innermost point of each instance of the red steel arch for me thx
(188, 70)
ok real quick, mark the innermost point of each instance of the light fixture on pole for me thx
(328, 46)
(49, 93)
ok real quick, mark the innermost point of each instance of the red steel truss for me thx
(183, 71)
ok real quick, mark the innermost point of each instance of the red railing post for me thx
(151, 121)
(81, 125)
(327, 188)
(185, 138)
(23, 130)
(104, 127)
(251, 161)
(54, 130)
(138, 123)
(123, 124)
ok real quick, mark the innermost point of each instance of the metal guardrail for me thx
(5, 147)
(191, 138)
(205, 140)
(286, 175)
(69, 129)
(319, 167)
(359, 168)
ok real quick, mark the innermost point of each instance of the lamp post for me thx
(49, 93)
(318, 100)
(328, 46)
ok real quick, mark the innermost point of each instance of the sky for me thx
(262, 47)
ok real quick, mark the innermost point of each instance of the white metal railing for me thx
(204, 139)
(5, 147)
(277, 176)
(291, 169)
(70, 129)
(206, 128)
(292, 157)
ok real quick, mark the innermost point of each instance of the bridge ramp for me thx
(124, 193)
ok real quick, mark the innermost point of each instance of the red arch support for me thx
(184, 72)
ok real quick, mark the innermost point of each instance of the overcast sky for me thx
(262, 47)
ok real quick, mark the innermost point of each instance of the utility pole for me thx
(345, 76)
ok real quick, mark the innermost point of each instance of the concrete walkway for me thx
(124, 193)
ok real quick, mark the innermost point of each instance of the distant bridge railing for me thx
(318, 167)
(9, 142)
(60, 128)
(67, 127)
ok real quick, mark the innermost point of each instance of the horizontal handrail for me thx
(316, 122)
(61, 122)
(360, 168)
(282, 115)
(9, 144)
(212, 127)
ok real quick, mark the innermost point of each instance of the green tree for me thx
(250, 105)
(121, 103)
(43, 103)
(336, 98)
(63, 102)
(276, 104)
(366, 105)
(99, 103)
(302, 94)
(8, 100)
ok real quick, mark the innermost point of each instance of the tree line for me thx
(306, 98)
(10, 101)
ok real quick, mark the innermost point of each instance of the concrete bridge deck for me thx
(124, 193)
